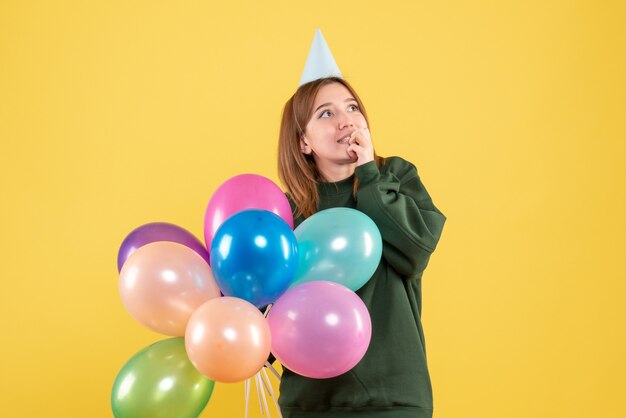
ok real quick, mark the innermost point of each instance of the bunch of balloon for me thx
(304, 279)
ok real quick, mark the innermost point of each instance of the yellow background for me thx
(118, 113)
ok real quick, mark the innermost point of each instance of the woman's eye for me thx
(325, 113)
(353, 107)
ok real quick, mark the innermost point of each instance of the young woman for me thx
(326, 160)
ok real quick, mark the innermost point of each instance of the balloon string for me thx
(267, 309)
(272, 369)
(258, 393)
(246, 389)
(268, 387)
(263, 385)
(262, 393)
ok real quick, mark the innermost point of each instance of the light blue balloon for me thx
(340, 245)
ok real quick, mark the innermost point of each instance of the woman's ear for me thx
(304, 146)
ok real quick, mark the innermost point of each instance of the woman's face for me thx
(336, 115)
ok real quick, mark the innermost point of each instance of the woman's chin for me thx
(350, 159)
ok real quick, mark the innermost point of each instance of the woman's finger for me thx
(360, 136)
(356, 150)
(364, 153)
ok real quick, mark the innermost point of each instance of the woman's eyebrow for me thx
(349, 99)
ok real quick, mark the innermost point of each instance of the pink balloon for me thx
(319, 329)
(245, 191)
(163, 283)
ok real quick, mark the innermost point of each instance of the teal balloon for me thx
(340, 245)
(160, 382)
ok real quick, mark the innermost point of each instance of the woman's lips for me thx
(343, 140)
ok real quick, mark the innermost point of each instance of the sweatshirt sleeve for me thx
(397, 201)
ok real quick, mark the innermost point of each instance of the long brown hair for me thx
(297, 171)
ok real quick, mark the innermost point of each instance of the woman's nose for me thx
(345, 121)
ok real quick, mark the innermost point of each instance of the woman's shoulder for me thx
(398, 166)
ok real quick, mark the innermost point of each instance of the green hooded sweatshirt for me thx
(392, 378)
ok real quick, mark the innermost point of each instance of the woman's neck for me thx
(333, 173)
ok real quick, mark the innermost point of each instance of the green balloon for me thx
(341, 245)
(160, 382)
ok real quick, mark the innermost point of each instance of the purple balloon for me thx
(319, 329)
(158, 231)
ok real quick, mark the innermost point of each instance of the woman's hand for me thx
(360, 146)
